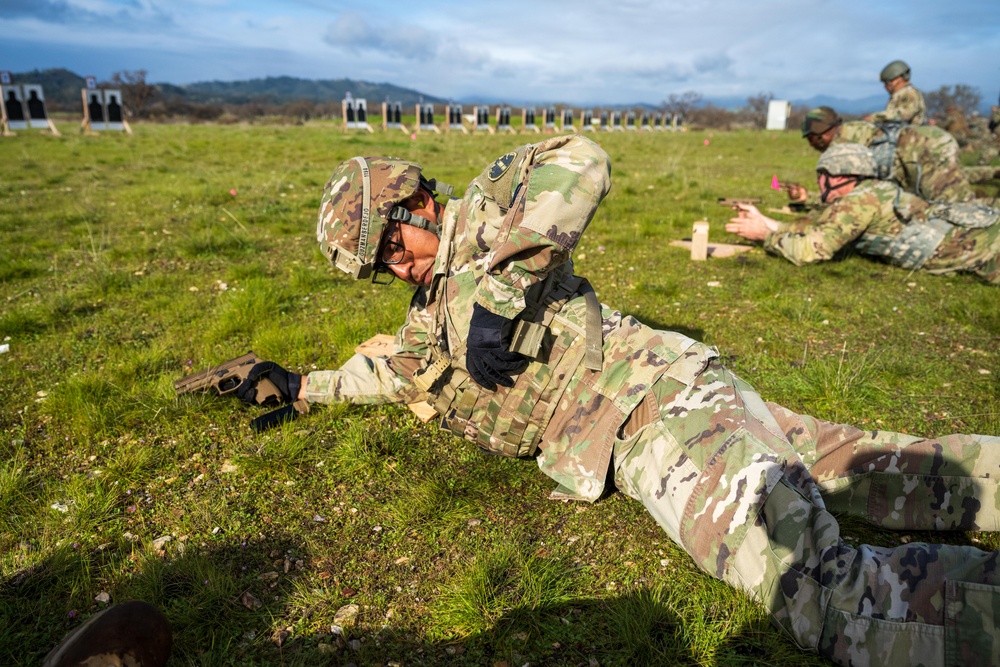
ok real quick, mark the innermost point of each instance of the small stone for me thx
(268, 576)
(160, 542)
(354, 644)
(474, 522)
(346, 615)
(249, 601)
(103, 598)
(326, 649)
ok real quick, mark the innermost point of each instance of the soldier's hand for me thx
(487, 355)
(267, 380)
(796, 193)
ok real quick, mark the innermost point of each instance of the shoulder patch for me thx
(502, 164)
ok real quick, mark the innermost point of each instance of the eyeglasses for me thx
(392, 252)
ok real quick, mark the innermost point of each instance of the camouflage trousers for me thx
(748, 489)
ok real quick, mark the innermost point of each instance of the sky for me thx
(544, 51)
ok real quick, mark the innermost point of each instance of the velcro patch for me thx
(502, 164)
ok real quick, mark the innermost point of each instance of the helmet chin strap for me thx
(407, 217)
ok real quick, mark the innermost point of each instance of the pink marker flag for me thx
(775, 185)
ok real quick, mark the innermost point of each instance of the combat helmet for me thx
(895, 69)
(819, 120)
(848, 160)
(362, 196)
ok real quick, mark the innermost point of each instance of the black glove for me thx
(487, 357)
(286, 383)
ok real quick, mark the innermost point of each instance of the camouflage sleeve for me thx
(368, 380)
(563, 180)
(907, 104)
(819, 237)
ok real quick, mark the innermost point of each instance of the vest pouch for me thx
(510, 420)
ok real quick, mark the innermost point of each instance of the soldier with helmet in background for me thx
(922, 159)
(906, 103)
(877, 218)
(514, 352)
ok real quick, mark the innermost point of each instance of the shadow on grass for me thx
(223, 603)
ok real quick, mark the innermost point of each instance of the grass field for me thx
(127, 261)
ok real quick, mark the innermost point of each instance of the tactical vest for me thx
(919, 239)
(884, 148)
(510, 421)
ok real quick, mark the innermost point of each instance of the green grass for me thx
(126, 262)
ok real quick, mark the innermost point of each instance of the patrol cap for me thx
(848, 160)
(895, 69)
(819, 120)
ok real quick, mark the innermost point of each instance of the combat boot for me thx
(130, 634)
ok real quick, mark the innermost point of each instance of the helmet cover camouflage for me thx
(355, 209)
(895, 69)
(819, 120)
(848, 160)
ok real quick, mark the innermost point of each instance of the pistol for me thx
(227, 376)
(733, 201)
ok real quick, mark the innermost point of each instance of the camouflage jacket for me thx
(877, 209)
(505, 252)
(925, 161)
(906, 104)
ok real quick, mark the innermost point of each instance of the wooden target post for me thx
(567, 120)
(425, 118)
(392, 116)
(455, 123)
(503, 120)
(483, 120)
(355, 113)
(528, 120)
(102, 111)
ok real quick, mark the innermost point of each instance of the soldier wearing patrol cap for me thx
(922, 159)
(906, 104)
(877, 218)
(515, 354)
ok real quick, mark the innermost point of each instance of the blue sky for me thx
(574, 51)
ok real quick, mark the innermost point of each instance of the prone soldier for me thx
(517, 355)
(922, 159)
(877, 218)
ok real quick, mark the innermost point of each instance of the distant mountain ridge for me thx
(62, 87)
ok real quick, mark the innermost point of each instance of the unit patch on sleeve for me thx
(502, 164)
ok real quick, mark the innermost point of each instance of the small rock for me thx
(346, 615)
(474, 522)
(326, 649)
(161, 542)
(268, 576)
(318, 519)
(249, 601)
(354, 644)
(103, 598)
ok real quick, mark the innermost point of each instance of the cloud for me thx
(49, 11)
(351, 32)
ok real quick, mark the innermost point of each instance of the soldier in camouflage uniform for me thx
(741, 484)
(922, 159)
(879, 219)
(906, 104)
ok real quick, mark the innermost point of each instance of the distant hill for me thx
(62, 88)
(288, 88)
